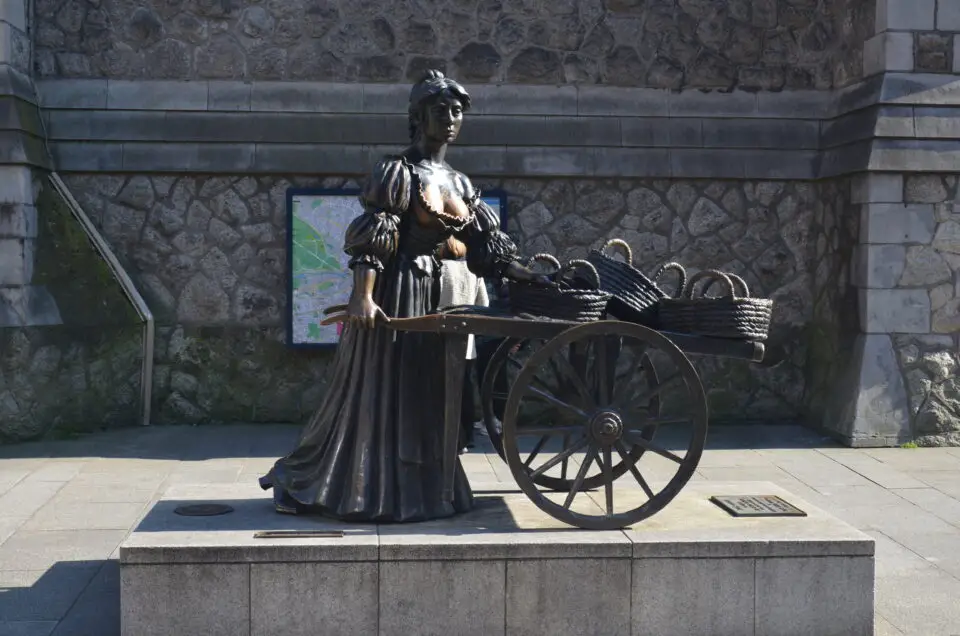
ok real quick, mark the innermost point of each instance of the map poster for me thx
(317, 265)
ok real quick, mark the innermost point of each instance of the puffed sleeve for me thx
(489, 249)
(371, 238)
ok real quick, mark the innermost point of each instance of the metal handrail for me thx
(129, 289)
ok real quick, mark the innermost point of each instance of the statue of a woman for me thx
(373, 450)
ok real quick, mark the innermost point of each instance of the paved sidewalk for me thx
(65, 507)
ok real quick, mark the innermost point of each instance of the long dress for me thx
(372, 452)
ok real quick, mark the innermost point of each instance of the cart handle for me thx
(623, 245)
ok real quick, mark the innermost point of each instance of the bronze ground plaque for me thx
(203, 510)
(757, 506)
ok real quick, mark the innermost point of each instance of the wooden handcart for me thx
(589, 399)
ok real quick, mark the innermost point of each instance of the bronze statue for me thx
(372, 452)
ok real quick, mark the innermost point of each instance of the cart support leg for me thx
(455, 351)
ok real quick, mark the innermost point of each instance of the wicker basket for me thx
(735, 316)
(634, 296)
(562, 299)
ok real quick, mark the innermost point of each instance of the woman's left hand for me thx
(516, 271)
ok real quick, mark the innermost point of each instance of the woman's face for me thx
(443, 117)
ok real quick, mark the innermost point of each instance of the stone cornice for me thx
(895, 122)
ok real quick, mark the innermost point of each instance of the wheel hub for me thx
(606, 427)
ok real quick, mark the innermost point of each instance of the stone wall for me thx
(74, 363)
(930, 265)
(751, 44)
(834, 322)
(209, 256)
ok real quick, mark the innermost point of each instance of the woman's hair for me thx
(432, 84)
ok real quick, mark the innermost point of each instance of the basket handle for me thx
(578, 263)
(711, 275)
(546, 258)
(623, 245)
(739, 285)
(682, 274)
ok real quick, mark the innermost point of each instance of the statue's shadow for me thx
(494, 512)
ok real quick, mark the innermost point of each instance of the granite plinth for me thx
(505, 568)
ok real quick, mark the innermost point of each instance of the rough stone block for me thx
(871, 399)
(906, 15)
(15, 185)
(880, 266)
(337, 599)
(875, 187)
(791, 598)
(948, 16)
(156, 95)
(888, 52)
(548, 597)
(73, 93)
(437, 598)
(894, 311)
(897, 223)
(159, 600)
(717, 598)
(14, 12)
(16, 261)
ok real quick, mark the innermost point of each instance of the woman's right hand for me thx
(364, 312)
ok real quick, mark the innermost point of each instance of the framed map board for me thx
(318, 276)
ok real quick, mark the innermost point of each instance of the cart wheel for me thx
(507, 361)
(616, 411)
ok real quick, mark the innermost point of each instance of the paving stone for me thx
(71, 515)
(873, 469)
(38, 595)
(56, 471)
(935, 502)
(920, 602)
(97, 610)
(39, 550)
(24, 499)
(9, 478)
(26, 628)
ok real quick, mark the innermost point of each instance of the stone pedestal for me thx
(506, 568)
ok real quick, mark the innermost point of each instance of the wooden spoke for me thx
(635, 438)
(536, 450)
(547, 431)
(583, 442)
(608, 478)
(581, 475)
(632, 465)
(563, 368)
(590, 361)
(557, 402)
